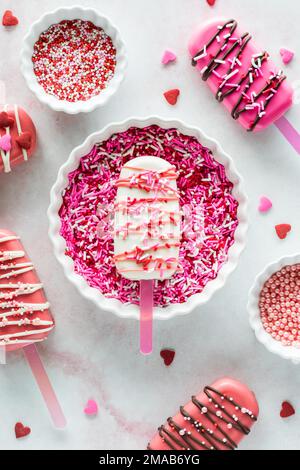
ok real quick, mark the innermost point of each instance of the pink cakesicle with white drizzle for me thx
(243, 78)
(218, 418)
(147, 230)
(25, 318)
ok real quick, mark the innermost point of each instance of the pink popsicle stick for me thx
(289, 132)
(146, 316)
(45, 386)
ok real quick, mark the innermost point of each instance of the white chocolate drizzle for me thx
(24, 151)
(6, 155)
(11, 307)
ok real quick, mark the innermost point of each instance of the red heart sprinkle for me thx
(24, 140)
(9, 19)
(287, 410)
(168, 356)
(282, 230)
(21, 430)
(6, 120)
(211, 2)
(172, 96)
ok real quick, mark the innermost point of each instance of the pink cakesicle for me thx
(25, 318)
(147, 230)
(243, 78)
(216, 419)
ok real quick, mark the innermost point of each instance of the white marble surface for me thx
(93, 354)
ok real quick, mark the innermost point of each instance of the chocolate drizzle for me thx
(206, 438)
(246, 80)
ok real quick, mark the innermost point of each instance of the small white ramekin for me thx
(113, 305)
(42, 25)
(274, 346)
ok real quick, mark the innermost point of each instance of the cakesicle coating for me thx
(22, 133)
(216, 419)
(25, 317)
(240, 75)
(147, 220)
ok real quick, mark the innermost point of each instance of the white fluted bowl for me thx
(72, 13)
(113, 305)
(274, 346)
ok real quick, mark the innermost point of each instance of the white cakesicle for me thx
(147, 220)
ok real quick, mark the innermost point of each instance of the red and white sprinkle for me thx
(74, 60)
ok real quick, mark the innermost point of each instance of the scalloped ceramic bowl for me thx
(113, 305)
(286, 352)
(42, 25)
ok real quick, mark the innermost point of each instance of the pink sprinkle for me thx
(287, 55)
(216, 73)
(168, 57)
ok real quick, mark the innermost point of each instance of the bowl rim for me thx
(113, 305)
(55, 16)
(272, 345)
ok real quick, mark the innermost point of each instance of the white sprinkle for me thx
(233, 85)
(232, 74)
(203, 54)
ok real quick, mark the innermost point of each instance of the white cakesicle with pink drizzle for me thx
(147, 229)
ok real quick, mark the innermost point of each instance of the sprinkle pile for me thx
(279, 305)
(74, 60)
(205, 194)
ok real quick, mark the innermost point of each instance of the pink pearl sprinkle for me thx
(279, 308)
